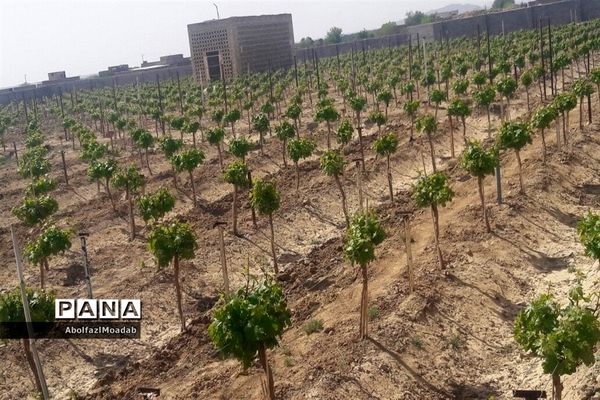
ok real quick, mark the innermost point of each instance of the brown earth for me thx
(449, 339)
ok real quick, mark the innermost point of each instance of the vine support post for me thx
(39, 371)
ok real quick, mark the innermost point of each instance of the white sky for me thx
(85, 36)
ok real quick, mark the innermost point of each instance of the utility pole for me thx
(217, 8)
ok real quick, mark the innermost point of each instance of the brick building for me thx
(238, 45)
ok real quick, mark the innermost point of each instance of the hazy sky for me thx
(85, 36)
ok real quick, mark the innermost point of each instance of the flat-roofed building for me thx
(237, 45)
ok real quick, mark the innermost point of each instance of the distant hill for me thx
(461, 8)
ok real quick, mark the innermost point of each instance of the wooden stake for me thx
(223, 261)
(27, 313)
(62, 155)
(359, 184)
(409, 260)
(16, 155)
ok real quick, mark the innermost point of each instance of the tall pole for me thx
(296, 71)
(498, 172)
(551, 55)
(86, 268)
(27, 314)
(160, 105)
(179, 91)
(542, 56)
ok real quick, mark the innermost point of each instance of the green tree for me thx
(240, 147)
(41, 308)
(358, 103)
(334, 35)
(588, 229)
(541, 119)
(188, 160)
(50, 242)
(479, 162)
(363, 235)
(130, 179)
(564, 103)
(582, 88)
(332, 164)
(299, 149)
(437, 97)
(411, 107)
(563, 337)
(433, 191)
(515, 135)
(427, 124)
(327, 112)
(35, 209)
(385, 96)
(41, 186)
(104, 170)
(387, 145)
(173, 242)
(231, 118)
(284, 132)
(264, 198)
(236, 174)
(293, 111)
(260, 123)
(507, 87)
(527, 81)
(344, 132)
(484, 98)
(460, 109)
(156, 205)
(192, 127)
(250, 323)
(377, 117)
(215, 138)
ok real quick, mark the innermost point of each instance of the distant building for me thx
(171, 60)
(57, 76)
(115, 69)
(237, 45)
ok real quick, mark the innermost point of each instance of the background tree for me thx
(506, 86)
(327, 112)
(145, 140)
(377, 117)
(156, 205)
(35, 209)
(364, 233)
(173, 242)
(460, 109)
(188, 160)
(41, 308)
(564, 103)
(563, 337)
(588, 229)
(410, 108)
(284, 132)
(427, 124)
(385, 96)
(240, 147)
(344, 132)
(231, 118)
(515, 135)
(192, 127)
(541, 119)
(250, 323)
(358, 103)
(50, 242)
(437, 97)
(293, 111)
(386, 146)
(582, 88)
(484, 98)
(334, 35)
(433, 191)
(236, 174)
(297, 150)
(130, 179)
(479, 162)
(215, 138)
(260, 123)
(332, 164)
(170, 146)
(264, 198)
(104, 170)
(526, 81)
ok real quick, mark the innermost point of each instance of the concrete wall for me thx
(37, 91)
(559, 13)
